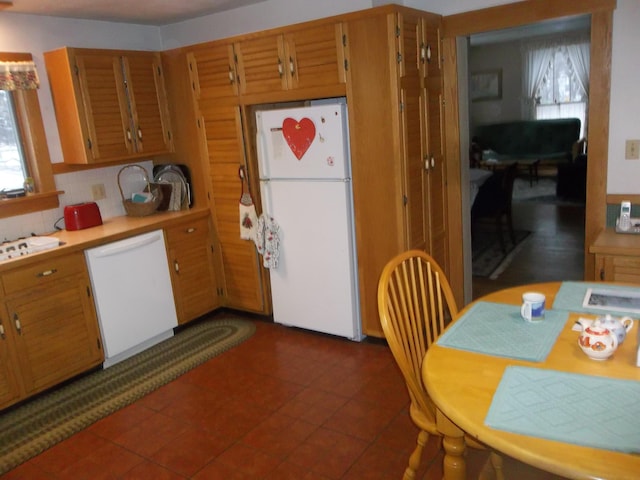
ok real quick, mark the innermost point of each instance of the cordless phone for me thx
(624, 223)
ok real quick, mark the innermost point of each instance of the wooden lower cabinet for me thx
(190, 251)
(50, 328)
(617, 257)
(618, 268)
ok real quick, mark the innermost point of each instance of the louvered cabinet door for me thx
(412, 129)
(148, 102)
(224, 150)
(106, 111)
(212, 71)
(10, 386)
(52, 320)
(192, 272)
(261, 64)
(315, 56)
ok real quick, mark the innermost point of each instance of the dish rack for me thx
(140, 209)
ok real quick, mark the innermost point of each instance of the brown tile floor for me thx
(288, 404)
(285, 404)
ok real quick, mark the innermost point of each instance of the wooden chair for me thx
(494, 202)
(415, 304)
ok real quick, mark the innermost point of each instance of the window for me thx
(556, 78)
(23, 145)
(13, 164)
(560, 94)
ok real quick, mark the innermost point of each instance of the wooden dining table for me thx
(462, 384)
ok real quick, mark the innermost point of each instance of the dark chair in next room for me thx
(493, 202)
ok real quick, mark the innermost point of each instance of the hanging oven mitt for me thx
(268, 240)
(248, 218)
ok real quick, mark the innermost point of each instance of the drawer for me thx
(42, 273)
(188, 230)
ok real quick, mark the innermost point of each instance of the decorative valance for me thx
(18, 76)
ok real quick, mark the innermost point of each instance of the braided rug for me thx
(31, 428)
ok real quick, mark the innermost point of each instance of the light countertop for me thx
(112, 229)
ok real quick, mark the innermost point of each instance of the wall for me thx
(624, 175)
(504, 57)
(37, 34)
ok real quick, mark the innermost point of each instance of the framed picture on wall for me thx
(486, 85)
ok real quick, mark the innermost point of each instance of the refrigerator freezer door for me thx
(307, 142)
(314, 285)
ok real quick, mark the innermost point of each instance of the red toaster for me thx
(82, 215)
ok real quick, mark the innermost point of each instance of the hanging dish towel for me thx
(268, 240)
(248, 218)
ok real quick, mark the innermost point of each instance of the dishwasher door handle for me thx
(127, 245)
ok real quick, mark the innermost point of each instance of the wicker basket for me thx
(139, 209)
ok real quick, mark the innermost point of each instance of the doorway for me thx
(463, 25)
(548, 221)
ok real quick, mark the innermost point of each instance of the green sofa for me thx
(553, 142)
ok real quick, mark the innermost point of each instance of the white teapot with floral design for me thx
(597, 341)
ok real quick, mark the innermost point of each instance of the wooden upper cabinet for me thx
(148, 102)
(110, 105)
(430, 47)
(309, 57)
(212, 70)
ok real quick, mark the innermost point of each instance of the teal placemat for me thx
(498, 329)
(583, 410)
(570, 297)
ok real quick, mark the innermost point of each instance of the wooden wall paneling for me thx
(372, 96)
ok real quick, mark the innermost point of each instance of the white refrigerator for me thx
(305, 184)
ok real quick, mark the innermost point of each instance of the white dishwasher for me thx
(132, 293)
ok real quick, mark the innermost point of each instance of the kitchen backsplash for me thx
(77, 188)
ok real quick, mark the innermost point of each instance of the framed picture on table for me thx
(486, 85)
(627, 301)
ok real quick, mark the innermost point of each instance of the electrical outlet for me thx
(97, 191)
(632, 150)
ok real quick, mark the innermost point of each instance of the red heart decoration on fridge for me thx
(299, 135)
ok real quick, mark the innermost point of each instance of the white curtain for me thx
(579, 56)
(536, 59)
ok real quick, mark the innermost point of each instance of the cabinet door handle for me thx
(423, 53)
(128, 135)
(291, 66)
(231, 75)
(46, 273)
(433, 162)
(140, 133)
(428, 53)
(280, 69)
(176, 266)
(2, 331)
(16, 321)
(426, 162)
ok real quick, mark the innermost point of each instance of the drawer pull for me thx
(191, 229)
(17, 323)
(1, 331)
(46, 273)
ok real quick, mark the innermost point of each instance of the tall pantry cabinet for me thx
(394, 92)
(214, 88)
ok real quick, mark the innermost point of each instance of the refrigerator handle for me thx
(262, 166)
